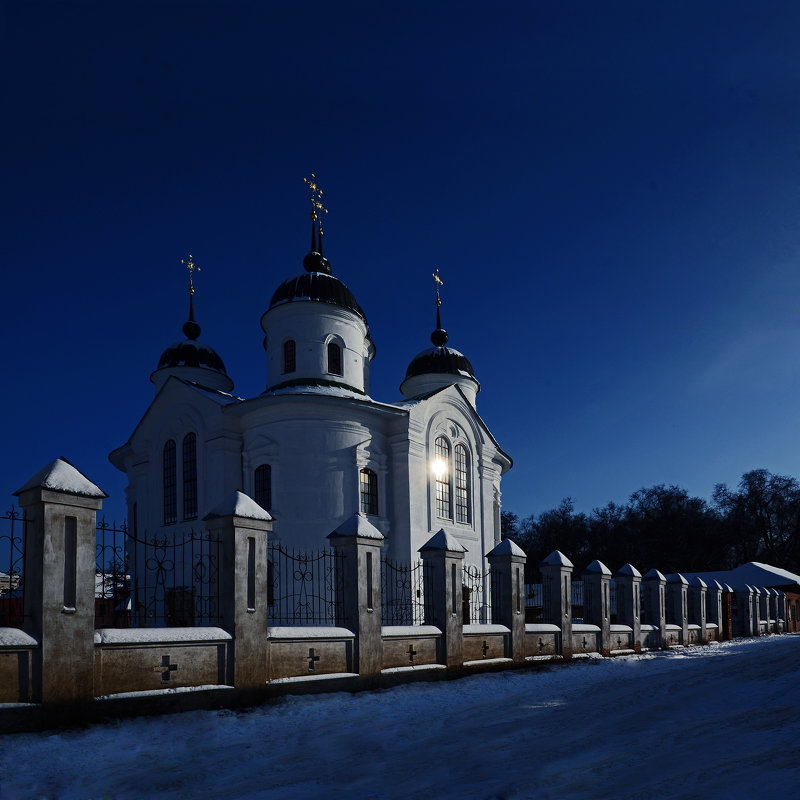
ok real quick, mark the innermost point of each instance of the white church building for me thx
(314, 448)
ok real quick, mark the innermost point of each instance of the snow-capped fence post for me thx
(698, 591)
(655, 603)
(756, 607)
(780, 604)
(726, 625)
(629, 605)
(677, 611)
(744, 608)
(597, 602)
(243, 527)
(61, 506)
(772, 611)
(507, 563)
(714, 606)
(443, 556)
(359, 542)
(556, 572)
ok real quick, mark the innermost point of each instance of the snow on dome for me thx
(61, 476)
(238, 504)
(442, 540)
(629, 570)
(597, 568)
(357, 525)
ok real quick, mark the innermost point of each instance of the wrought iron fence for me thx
(403, 597)
(165, 580)
(578, 602)
(537, 601)
(13, 527)
(304, 588)
(476, 595)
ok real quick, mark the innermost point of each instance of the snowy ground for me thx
(715, 722)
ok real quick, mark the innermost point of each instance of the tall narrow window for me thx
(334, 358)
(442, 467)
(462, 484)
(369, 491)
(263, 486)
(189, 476)
(289, 356)
(170, 471)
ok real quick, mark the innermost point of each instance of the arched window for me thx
(170, 476)
(189, 476)
(289, 356)
(462, 484)
(262, 486)
(369, 491)
(441, 467)
(334, 358)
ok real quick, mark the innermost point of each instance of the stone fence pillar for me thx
(677, 612)
(629, 610)
(507, 565)
(714, 605)
(744, 606)
(698, 590)
(243, 527)
(60, 506)
(728, 594)
(359, 543)
(773, 610)
(443, 559)
(597, 601)
(556, 572)
(781, 605)
(655, 603)
(757, 610)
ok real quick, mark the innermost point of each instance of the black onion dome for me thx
(440, 360)
(191, 353)
(317, 286)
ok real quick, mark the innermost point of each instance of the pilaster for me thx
(655, 603)
(597, 601)
(556, 572)
(243, 527)
(60, 505)
(443, 558)
(629, 603)
(507, 564)
(359, 543)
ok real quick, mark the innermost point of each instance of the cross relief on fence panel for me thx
(165, 668)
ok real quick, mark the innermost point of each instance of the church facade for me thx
(314, 448)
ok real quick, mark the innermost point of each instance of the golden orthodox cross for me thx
(316, 201)
(191, 266)
(439, 282)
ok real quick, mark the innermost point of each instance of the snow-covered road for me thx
(715, 722)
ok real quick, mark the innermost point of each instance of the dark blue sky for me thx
(610, 191)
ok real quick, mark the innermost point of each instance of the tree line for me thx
(663, 527)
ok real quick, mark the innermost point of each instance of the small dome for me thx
(192, 360)
(440, 360)
(191, 353)
(317, 286)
